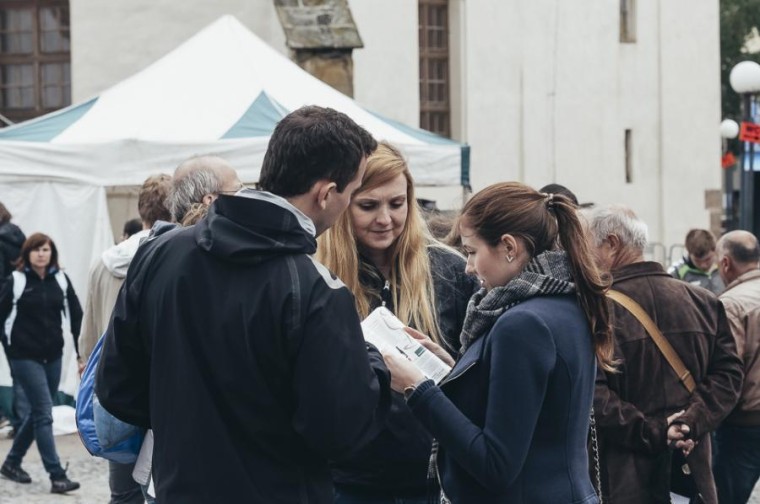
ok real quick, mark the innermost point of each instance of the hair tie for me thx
(549, 199)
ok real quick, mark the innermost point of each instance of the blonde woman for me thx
(382, 250)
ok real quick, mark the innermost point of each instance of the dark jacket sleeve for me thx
(341, 385)
(522, 352)
(123, 375)
(11, 240)
(717, 393)
(453, 289)
(4, 263)
(623, 423)
(75, 312)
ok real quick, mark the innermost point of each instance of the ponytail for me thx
(590, 285)
(545, 221)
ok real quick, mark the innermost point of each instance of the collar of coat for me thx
(746, 277)
(638, 269)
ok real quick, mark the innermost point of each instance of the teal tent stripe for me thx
(466, 167)
(47, 127)
(432, 138)
(419, 134)
(259, 120)
(62, 399)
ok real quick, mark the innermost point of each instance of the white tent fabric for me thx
(221, 92)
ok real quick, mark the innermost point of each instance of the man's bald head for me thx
(738, 253)
(200, 179)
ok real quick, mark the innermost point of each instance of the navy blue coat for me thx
(512, 418)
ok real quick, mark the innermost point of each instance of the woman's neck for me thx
(40, 271)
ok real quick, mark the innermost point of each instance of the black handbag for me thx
(681, 481)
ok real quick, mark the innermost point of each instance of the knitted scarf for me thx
(547, 274)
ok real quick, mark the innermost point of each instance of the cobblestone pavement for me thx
(90, 472)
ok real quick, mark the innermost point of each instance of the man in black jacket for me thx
(242, 353)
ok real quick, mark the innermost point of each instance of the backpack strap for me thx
(60, 277)
(19, 284)
(663, 344)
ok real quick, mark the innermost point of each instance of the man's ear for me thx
(725, 264)
(323, 190)
(614, 242)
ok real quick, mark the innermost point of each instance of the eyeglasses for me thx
(234, 191)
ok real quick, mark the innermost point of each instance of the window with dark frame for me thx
(627, 21)
(35, 57)
(435, 108)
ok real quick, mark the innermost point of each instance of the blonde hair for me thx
(411, 282)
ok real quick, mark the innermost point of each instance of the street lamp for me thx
(728, 129)
(745, 80)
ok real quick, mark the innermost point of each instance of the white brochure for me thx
(386, 332)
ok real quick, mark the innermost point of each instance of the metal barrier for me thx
(657, 252)
(676, 252)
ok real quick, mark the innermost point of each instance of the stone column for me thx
(321, 35)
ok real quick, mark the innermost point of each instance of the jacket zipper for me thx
(386, 289)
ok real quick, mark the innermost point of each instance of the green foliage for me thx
(737, 20)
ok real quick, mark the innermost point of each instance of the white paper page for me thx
(386, 332)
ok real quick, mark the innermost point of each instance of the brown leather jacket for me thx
(742, 302)
(632, 405)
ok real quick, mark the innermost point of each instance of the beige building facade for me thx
(619, 101)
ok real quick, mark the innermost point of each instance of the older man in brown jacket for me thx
(644, 414)
(737, 459)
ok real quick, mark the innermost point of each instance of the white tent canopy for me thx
(221, 92)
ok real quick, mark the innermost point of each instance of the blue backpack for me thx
(103, 434)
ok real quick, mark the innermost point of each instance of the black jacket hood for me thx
(254, 226)
(11, 235)
(11, 240)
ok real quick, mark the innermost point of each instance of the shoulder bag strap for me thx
(665, 347)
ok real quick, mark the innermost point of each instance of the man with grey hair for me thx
(105, 279)
(200, 179)
(737, 459)
(647, 421)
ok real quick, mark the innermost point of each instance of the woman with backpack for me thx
(35, 302)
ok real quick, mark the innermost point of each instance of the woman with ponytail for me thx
(512, 418)
(382, 250)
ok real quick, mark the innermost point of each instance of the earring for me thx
(510, 258)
